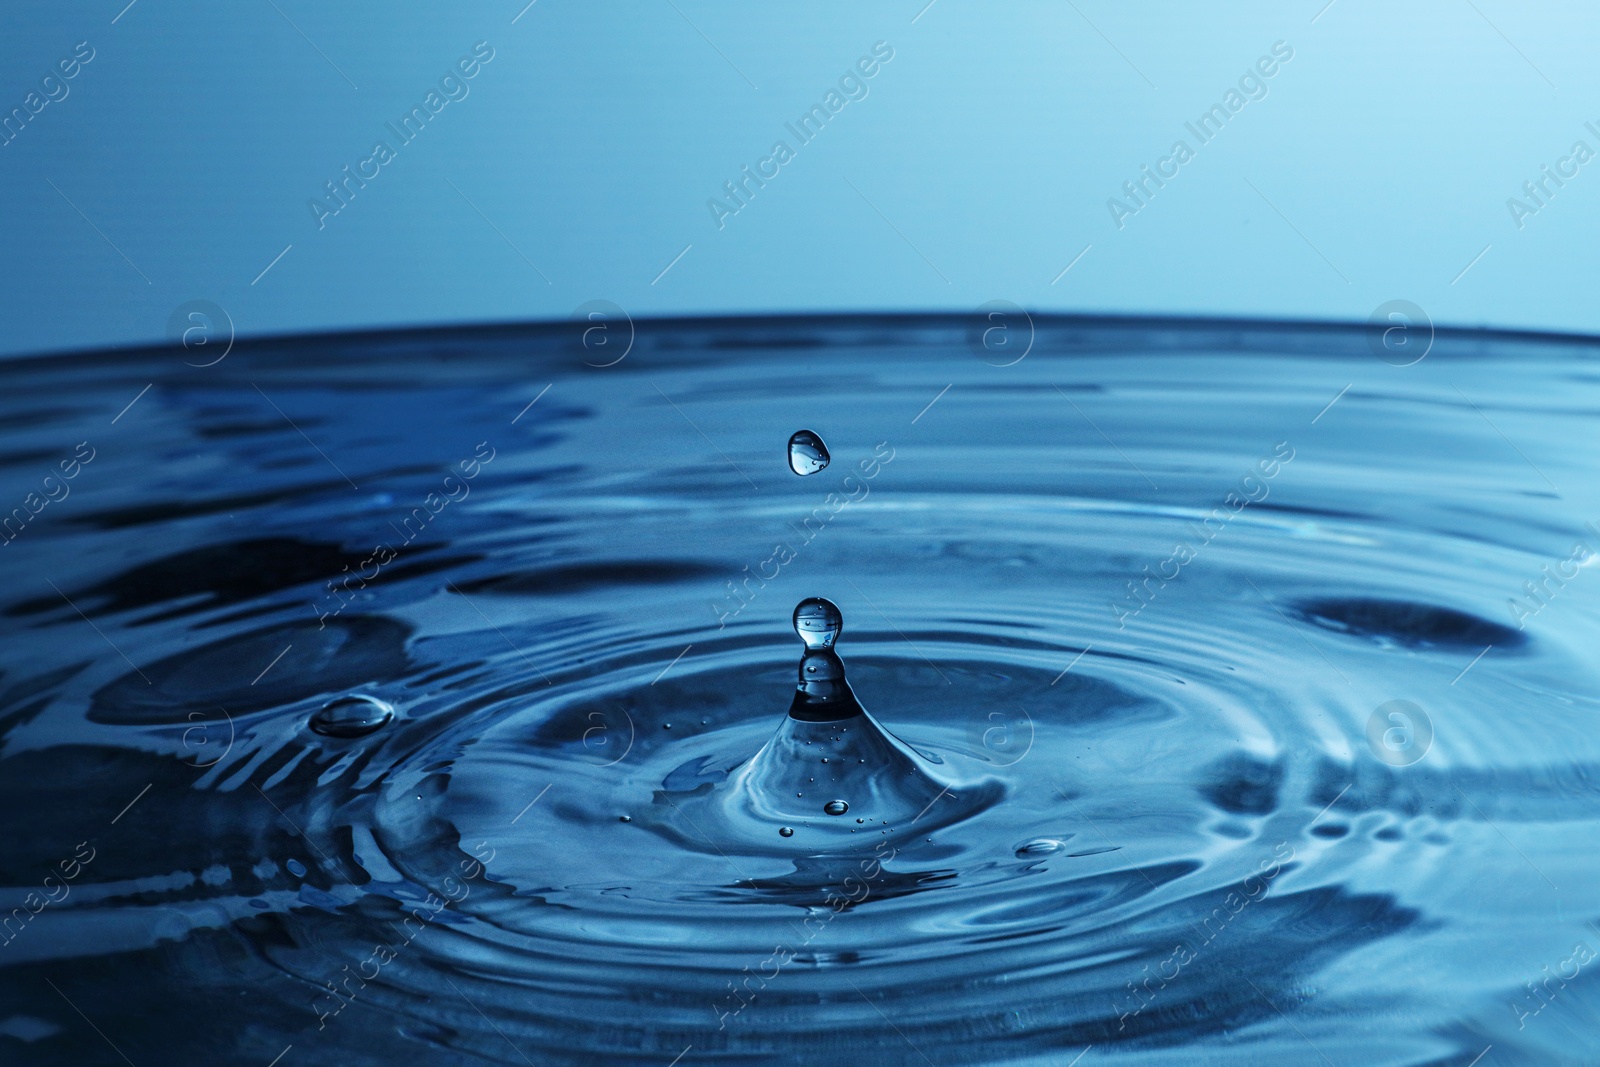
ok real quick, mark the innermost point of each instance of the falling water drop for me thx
(836, 807)
(818, 623)
(352, 716)
(807, 453)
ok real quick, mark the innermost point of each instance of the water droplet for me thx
(352, 716)
(836, 807)
(1040, 846)
(786, 831)
(666, 726)
(818, 623)
(861, 820)
(624, 818)
(296, 868)
(807, 453)
(824, 759)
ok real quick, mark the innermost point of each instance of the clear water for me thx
(1205, 724)
(807, 453)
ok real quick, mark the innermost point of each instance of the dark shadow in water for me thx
(228, 573)
(583, 577)
(1243, 785)
(345, 653)
(1422, 627)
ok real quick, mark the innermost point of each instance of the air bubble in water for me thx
(352, 716)
(836, 807)
(818, 622)
(807, 453)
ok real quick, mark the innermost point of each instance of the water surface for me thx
(1245, 681)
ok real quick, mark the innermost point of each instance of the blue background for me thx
(978, 167)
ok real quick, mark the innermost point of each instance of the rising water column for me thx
(831, 767)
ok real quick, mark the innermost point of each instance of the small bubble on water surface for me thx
(352, 716)
(1040, 846)
(786, 831)
(836, 807)
(807, 453)
(296, 868)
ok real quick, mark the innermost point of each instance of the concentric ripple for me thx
(1206, 721)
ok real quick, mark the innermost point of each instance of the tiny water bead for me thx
(296, 868)
(352, 716)
(818, 622)
(807, 453)
(836, 807)
(786, 831)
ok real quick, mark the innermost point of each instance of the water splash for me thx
(829, 756)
